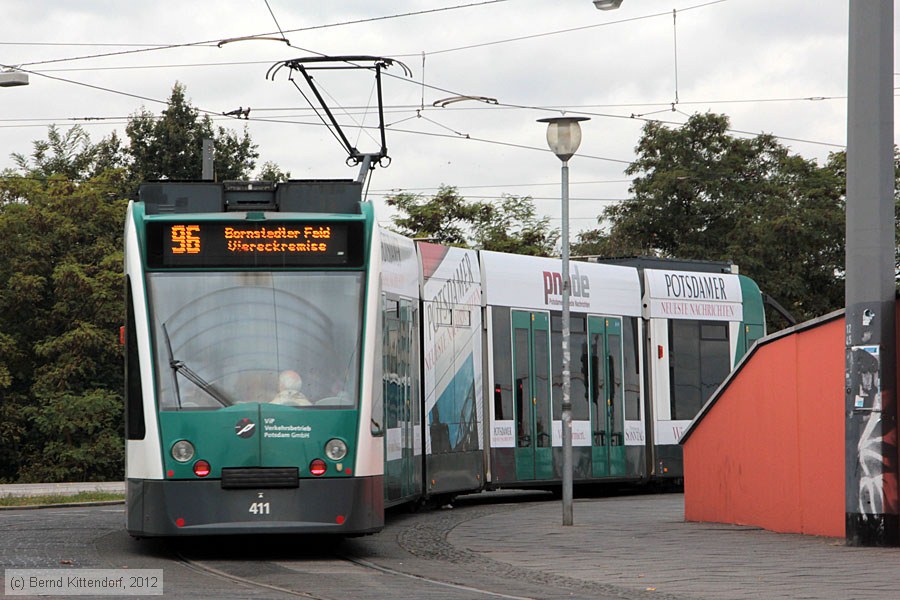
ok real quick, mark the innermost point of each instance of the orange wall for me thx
(770, 451)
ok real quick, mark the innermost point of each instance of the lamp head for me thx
(13, 78)
(563, 135)
(607, 4)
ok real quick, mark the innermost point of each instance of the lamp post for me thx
(13, 78)
(564, 137)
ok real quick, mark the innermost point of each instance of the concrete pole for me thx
(207, 173)
(566, 356)
(870, 389)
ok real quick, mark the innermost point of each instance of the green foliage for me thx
(272, 172)
(61, 293)
(170, 147)
(448, 218)
(443, 219)
(77, 437)
(513, 226)
(60, 309)
(62, 498)
(700, 193)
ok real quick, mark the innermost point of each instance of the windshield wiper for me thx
(179, 367)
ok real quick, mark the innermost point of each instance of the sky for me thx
(773, 67)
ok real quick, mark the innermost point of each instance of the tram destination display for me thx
(211, 244)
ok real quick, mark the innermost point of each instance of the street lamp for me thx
(13, 78)
(607, 4)
(564, 137)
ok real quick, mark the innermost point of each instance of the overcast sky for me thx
(775, 67)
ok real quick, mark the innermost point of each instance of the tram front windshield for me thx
(228, 338)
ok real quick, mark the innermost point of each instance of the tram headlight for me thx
(335, 449)
(182, 451)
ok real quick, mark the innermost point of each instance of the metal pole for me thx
(870, 388)
(566, 356)
(207, 173)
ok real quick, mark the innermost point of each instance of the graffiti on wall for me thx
(876, 445)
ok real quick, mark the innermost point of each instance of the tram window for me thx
(503, 397)
(632, 377)
(391, 308)
(462, 317)
(698, 363)
(578, 368)
(542, 389)
(414, 361)
(443, 316)
(135, 428)
(576, 323)
(713, 331)
(715, 358)
(393, 394)
(523, 389)
(613, 365)
(241, 331)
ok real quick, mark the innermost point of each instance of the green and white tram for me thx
(292, 368)
(252, 341)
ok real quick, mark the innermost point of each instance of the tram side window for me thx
(524, 399)
(579, 364)
(502, 349)
(135, 429)
(392, 391)
(698, 363)
(414, 384)
(632, 377)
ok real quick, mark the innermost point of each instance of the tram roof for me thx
(534, 282)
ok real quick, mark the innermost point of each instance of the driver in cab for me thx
(289, 386)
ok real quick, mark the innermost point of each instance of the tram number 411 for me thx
(259, 508)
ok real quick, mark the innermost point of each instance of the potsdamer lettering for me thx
(695, 287)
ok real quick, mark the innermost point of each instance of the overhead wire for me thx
(457, 134)
(444, 90)
(215, 42)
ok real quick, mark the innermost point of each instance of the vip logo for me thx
(245, 428)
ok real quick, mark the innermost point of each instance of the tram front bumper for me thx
(345, 506)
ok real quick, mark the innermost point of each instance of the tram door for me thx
(402, 470)
(531, 366)
(607, 396)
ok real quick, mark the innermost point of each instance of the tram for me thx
(293, 368)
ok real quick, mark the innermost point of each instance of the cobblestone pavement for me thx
(499, 544)
(638, 544)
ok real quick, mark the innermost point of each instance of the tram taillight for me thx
(201, 468)
(317, 467)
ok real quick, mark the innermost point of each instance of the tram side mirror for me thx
(376, 429)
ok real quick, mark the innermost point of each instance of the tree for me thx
(61, 293)
(448, 218)
(70, 154)
(170, 147)
(60, 309)
(443, 219)
(270, 171)
(701, 193)
(513, 226)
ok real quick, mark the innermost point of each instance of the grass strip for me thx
(60, 498)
